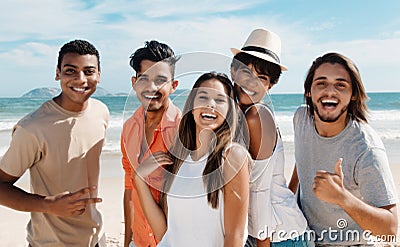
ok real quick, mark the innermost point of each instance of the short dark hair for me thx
(358, 109)
(153, 51)
(262, 66)
(81, 47)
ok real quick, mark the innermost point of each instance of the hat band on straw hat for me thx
(262, 50)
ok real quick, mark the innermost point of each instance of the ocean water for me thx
(384, 116)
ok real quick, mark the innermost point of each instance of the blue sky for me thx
(32, 32)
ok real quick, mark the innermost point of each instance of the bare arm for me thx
(12, 196)
(128, 216)
(64, 204)
(262, 131)
(294, 181)
(153, 212)
(236, 196)
(380, 221)
(329, 188)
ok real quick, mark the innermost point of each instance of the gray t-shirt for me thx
(366, 175)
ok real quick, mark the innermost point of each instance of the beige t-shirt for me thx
(62, 151)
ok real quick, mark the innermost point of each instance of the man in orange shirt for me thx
(151, 128)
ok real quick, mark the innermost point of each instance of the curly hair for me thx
(156, 52)
(81, 47)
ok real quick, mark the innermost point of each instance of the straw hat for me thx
(263, 44)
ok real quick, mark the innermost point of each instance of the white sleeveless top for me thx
(272, 206)
(191, 220)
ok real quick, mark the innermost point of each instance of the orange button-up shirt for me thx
(131, 140)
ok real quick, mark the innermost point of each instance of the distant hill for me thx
(50, 92)
(101, 92)
(120, 94)
(44, 92)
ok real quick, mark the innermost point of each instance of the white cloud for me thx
(43, 19)
(187, 8)
(174, 8)
(377, 61)
(30, 54)
(40, 27)
(322, 26)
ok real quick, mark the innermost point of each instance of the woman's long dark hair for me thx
(185, 142)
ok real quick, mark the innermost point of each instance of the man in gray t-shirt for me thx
(342, 175)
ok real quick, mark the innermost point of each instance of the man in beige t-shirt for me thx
(60, 143)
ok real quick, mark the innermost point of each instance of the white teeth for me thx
(250, 93)
(79, 89)
(329, 101)
(150, 96)
(208, 115)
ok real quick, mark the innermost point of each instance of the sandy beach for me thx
(13, 223)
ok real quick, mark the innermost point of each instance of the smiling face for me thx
(78, 76)
(153, 85)
(210, 105)
(331, 93)
(250, 85)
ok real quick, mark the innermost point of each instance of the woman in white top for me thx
(206, 187)
(274, 217)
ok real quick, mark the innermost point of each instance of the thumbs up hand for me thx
(328, 186)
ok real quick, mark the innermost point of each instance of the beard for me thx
(154, 107)
(330, 119)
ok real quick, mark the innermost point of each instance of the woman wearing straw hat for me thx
(274, 217)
